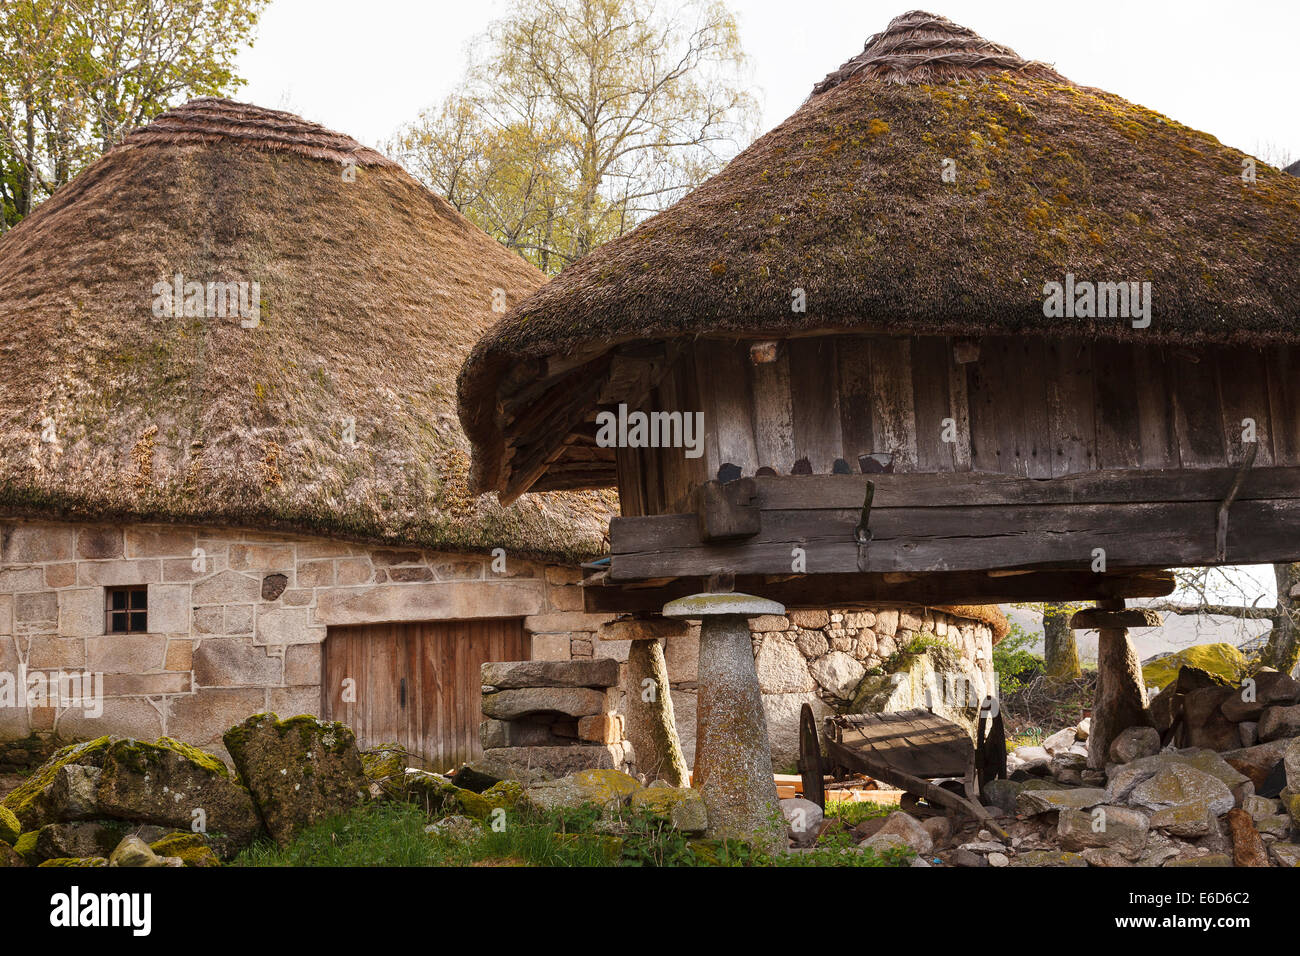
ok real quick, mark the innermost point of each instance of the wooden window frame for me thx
(129, 610)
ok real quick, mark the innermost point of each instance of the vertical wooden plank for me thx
(631, 496)
(856, 406)
(1026, 376)
(1284, 402)
(1118, 441)
(732, 408)
(814, 396)
(1198, 414)
(1157, 430)
(1243, 385)
(1072, 425)
(959, 409)
(933, 404)
(893, 413)
(704, 389)
(773, 413)
(982, 403)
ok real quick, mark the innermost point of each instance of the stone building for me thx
(231, 474)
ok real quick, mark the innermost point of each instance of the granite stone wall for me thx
(236, 621)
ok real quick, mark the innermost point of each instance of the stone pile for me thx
(546, 719)
(115, 801)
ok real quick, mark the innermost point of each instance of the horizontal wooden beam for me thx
(954, 522)
(602, 596)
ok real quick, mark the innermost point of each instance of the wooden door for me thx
(416, 684)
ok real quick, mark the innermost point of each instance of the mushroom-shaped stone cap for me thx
(730, 604)
(1095, 618)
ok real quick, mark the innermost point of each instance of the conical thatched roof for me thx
(847, 200)
(372, 291)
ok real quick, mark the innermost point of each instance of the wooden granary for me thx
(959, 330)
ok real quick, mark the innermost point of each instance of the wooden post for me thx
(1121, 700)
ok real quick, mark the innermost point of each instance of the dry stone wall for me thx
(820, 658)
(236, 621)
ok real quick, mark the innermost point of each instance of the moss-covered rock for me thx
(41, 798)
(439, 797)
(81, 839)
(25, 847)
(1224, 661)
(681, 806)
(9, 857)
(505, 794)
(10, 828)
(610, 848)
(599, 787)
(173, 785)
(75, 861)
(384, 761)
(191, 848)
(299, 770)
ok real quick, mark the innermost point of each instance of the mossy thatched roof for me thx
(372, 291)
(847, 201)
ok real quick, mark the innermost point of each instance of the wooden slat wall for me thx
(440, 662)
(1028, 407)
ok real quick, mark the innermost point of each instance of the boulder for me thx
(908, 829)
(1247, 847)
(1105, 857)
(192, 849)
(1291, 761)
(1001, 794)
(1283, 854)
(1068, 766)
(604, 788)
(133, 852)
(1119, 828)
(1261, 690)
(1133, 743)
(1222, 661)
(75, 861)
(10, 828)
(299, 771)
(1176, 785)
(593, 672)
(1278, 723)
(803, 820)
(526, 701)
(1261, 807)
(1205, 860)
(1124, 777)
(9, 857)
(384, 761)
(1195, 819)
(1060, 741)
(1204, 724)
(1256, 763)
(457, 828)
(1034, 802)
(36, 801)
(1033, 759)
(680, 806)
(939, 828)
(174, 785)
(56, 840)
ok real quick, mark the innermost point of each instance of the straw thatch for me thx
(372, 291)
(846, 200)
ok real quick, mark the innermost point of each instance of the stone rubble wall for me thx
(243, 634)
(819, 658)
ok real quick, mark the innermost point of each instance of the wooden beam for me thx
(603, 596)
(727, 510)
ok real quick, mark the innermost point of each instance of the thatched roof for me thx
(846, 200)
(372, 291)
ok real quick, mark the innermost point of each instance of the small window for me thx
(127, 610)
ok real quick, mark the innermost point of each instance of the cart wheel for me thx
(810, 758)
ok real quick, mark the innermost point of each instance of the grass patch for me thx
(393, 834)
(853, 813)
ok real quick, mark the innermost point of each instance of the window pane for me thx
(118, 622)
(139, 599)
(139, 622)
(119, 600)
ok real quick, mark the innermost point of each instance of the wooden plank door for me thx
(416, 684)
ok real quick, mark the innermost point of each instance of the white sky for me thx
(363, 67)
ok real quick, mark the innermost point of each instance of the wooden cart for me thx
(908, 750)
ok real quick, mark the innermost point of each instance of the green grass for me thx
(392, 834)
(853, 813)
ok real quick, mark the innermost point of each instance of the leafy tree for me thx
(578, 118)
(77, 75)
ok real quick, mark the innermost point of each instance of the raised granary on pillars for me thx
(958, 330)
